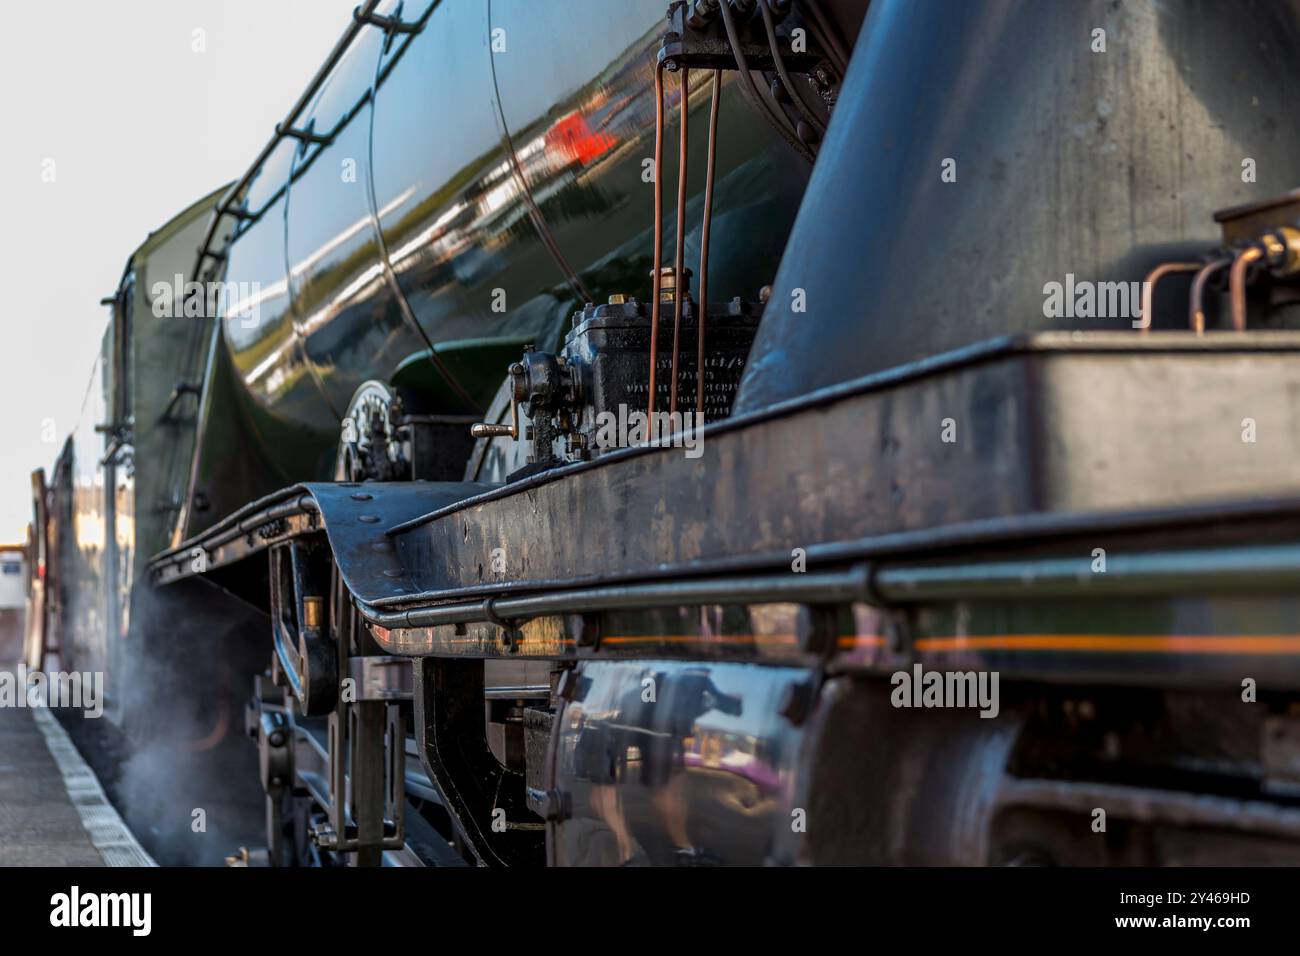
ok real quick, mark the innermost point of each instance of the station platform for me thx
(53, 811)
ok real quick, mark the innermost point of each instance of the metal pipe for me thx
(359, 18)
(1196, 315)
(749, 89)
(235, 527)
(795, 97)
(1149, 287)
(839, 56)
(1264, 568)
(656, 278)
(823, 588)
(680, 285)
(702, 310)
(1237, 285)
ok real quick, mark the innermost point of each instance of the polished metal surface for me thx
(668, 763)
(398, 234)
(576, 92)
(460, 244)
(1067, 161)
(343, 310)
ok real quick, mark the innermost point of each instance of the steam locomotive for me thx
(641, 433)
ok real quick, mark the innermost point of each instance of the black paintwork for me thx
(1067, 161)
(467, 199)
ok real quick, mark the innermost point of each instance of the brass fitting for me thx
(313, 611)
(1282, 251)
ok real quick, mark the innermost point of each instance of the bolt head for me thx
(323, 836)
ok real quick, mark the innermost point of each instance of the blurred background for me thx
(130, 125)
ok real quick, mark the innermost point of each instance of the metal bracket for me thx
(179, 391)
(391, 26)
(484, 799)
(698, 40)
(306, 136)
(303, 648)
(112, 454)
(121, 437)
(509, 628)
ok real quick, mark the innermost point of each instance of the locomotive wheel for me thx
(902, 787)
(369, 449)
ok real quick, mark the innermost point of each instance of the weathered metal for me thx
(971, 164)
(487, 801)
(1052, 424)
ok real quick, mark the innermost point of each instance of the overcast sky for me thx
(139, 124)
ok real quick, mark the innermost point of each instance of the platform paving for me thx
(53, 811)
(39, 825)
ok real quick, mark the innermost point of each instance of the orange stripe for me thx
(1100, 643)
(1121, 643)
(850, 641)
(782, 639)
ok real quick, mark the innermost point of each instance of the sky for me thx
(143, 106)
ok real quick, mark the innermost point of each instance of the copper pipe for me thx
(1149, 287)
(659, 236)
(1196, 315)
(1237, 285)
(702, 309)
(680, 286)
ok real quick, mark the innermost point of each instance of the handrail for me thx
(361, 18)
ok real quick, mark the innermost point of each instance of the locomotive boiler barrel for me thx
(453, 194)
